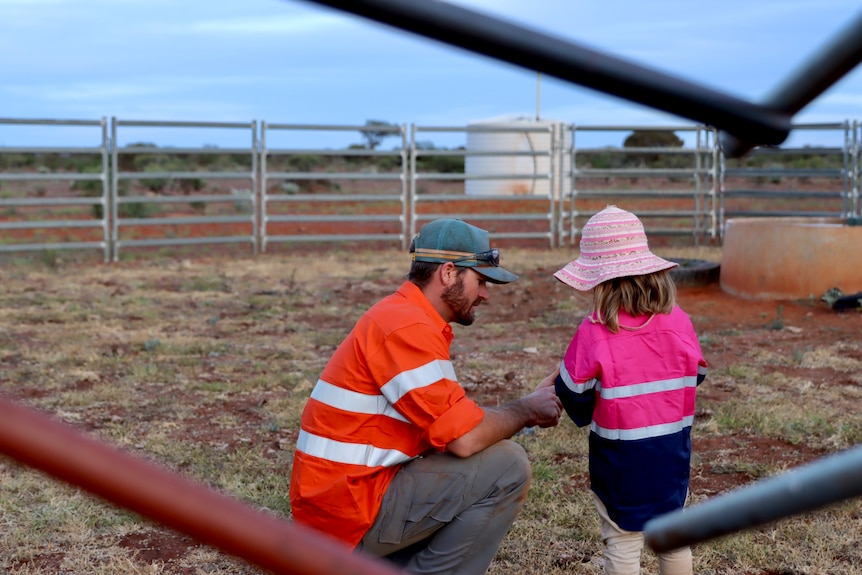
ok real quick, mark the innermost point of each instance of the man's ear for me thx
(448, 273)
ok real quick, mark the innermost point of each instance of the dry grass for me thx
(204, 366)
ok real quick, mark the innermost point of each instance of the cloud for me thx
(31, 3)
(293, 60)
(842, 99)
(280, 24)
(108, 91)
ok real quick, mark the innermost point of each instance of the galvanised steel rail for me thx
(702, 172)
(746, 124)
(854, 144)
(847, 196)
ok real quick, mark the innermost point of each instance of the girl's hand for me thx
(549, 381)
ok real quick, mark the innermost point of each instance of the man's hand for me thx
(544, 405)
(541, 408)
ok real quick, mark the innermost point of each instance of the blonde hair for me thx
(637, 295)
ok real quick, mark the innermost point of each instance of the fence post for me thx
(255, 189)
(406, 170)
(411, 200)
(113, 192)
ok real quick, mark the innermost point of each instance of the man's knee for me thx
(512, 461)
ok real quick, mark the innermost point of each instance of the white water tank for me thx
(492, 139)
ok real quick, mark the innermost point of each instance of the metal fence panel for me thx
(811, 181)
(366, 211)
(27, 212)
(676, 183)
(509, 174)
(522, 180)
(155, 169)
(856, 170)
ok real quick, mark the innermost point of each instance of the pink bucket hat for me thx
(613, 245)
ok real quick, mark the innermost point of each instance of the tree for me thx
(375, 131)
(653, 139)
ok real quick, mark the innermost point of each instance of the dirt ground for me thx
(774, 335)
(733, 331)
(733, 328)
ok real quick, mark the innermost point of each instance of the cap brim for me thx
(495, 275)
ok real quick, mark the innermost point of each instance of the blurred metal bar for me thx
(568, 61)
(825, 67)
(159, 494)
(806, 488)
(50, 122)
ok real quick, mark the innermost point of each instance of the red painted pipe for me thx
(168, 498)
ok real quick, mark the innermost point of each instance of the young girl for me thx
(630, 373)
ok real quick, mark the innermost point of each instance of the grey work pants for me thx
(448, 515)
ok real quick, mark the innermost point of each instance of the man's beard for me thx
(454, 297)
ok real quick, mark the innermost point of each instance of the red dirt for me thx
(734, 327)
(743, 325)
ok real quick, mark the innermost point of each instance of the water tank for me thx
(531, 142)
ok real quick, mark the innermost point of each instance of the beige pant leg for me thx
(623, 550)
(676, 562)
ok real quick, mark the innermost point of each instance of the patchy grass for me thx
(204, 365)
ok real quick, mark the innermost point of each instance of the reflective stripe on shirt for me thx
(350, 453)
(646, 388)
(643, 432)
(347, 400)
(629, 391)
(570, 383)
(417, 378)
(395, 389)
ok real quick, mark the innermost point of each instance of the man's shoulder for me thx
(396, 310)
(401, 300)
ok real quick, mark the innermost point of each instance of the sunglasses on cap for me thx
(491, 256)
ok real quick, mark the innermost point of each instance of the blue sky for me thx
(291, 61)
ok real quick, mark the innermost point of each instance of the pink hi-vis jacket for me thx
(636, 390)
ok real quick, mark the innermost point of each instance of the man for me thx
(392, 457)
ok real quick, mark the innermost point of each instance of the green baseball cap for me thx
(456, 241)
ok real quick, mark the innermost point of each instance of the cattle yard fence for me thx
(531, 182)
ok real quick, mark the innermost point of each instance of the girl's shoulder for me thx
(678, 313)
(677, 320)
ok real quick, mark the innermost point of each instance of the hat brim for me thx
(585, 277)
(496, 275)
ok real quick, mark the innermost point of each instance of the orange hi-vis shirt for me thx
(387, 395)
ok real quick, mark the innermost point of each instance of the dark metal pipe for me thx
(806, 488)
(522, 46)
(823, 69)
(166, 497)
